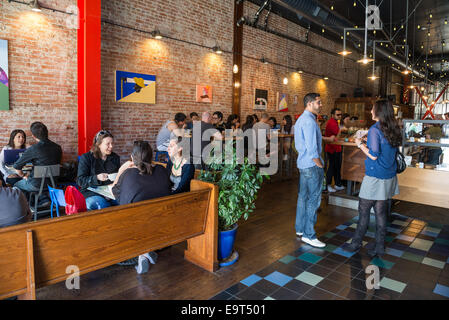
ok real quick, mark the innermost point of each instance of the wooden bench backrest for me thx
(101, 238)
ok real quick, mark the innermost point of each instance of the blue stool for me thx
(158, 153)
(57, 199)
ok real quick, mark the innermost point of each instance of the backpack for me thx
(75, 202)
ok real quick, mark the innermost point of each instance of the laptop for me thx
(11, 156)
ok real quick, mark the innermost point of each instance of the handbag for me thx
(75, 202)
(400, 160)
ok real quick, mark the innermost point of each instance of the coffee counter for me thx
(424, 186)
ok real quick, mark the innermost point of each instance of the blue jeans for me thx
(309, 200)
(99, 202)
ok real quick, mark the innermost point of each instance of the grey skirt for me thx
(378, 189)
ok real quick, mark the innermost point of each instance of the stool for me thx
(158, 153)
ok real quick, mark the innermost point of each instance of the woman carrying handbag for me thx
(380, 183)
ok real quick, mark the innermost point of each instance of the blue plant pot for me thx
(226, 242)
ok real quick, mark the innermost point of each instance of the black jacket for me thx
(43, 153)
(89, 167)
(134, 187)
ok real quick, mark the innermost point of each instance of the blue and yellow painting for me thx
(135, 87)
(4, 79)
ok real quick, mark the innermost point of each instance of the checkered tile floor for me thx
(415, 266)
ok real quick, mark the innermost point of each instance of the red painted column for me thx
(89, 73)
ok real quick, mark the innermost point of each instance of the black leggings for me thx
(381, 210)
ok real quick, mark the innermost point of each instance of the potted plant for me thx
(238, 186)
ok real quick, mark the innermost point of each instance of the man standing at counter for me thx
(333, 152)
(308, 141)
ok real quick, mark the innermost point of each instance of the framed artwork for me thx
(204, 94)
(135, 87)
(295, 100)
(282, 100)
(261, 99)
(4, 76)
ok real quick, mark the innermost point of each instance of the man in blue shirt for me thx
(308, 142)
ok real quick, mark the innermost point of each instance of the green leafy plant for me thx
(238, 186)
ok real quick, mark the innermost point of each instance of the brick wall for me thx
(178, 66)
(42, 71)
(44, 80)
(284, 52)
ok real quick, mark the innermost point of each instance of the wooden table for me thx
(352, 165)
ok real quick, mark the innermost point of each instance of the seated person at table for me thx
(217, 121)
(272, 122)
(44, 153)
(17, 140)
(94, 167)
(163, 137)
(14, 207)
(181, 172)
(197, 146)
(193, 117)
(139, 180)
(233, 122)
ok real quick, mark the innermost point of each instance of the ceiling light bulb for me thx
(156, 34)
(217, 50)
(300, 71)
(325, 78)
(406, 71)
(419, 27)
(365, 60)
(35, 6)
(373, 77)
(430, 15)
(355, 4)
(394, 28)
(445, 21)
(332, 7)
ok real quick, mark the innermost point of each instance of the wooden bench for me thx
(36, 254)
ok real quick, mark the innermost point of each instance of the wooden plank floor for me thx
(267, 236)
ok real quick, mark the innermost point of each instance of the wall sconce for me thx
(285, 80)
(325, 78)
(35, 6)
(156, 34)
(237, 84)
(217, 50)
(235, 69)
(300, 71)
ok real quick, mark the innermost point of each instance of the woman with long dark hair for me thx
(233, 122)
(380, 183)
(17, 140)
(287, 128)
(249, 123)
(140, 180)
